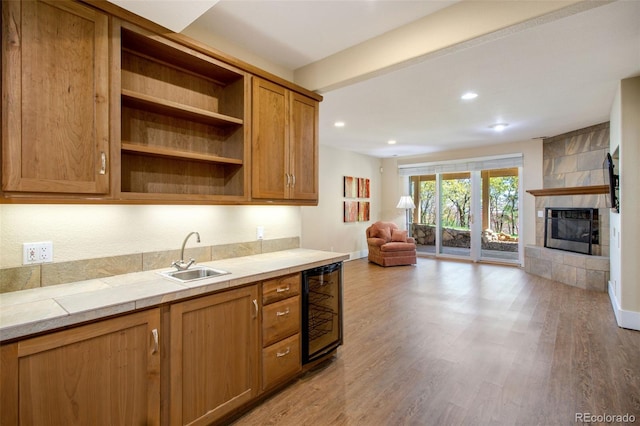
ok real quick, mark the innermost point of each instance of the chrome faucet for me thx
(179, 264)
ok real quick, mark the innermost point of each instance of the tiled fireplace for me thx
(573, 179)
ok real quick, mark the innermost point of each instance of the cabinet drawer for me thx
(280, 360)
(280, 320)
(280, 288)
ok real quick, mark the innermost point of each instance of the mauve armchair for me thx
(389, 246)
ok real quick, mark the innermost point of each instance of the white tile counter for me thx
(35, 310)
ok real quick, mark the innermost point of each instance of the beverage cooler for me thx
(321, 311)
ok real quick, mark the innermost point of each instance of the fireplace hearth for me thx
(571, 229)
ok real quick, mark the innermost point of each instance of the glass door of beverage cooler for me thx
(321, 311)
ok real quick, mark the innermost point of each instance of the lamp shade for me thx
(406, 202)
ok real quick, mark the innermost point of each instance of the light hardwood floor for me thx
(446, 343)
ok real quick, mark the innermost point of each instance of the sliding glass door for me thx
(500, 215)
(468, 214)
(424, 227)
(455, 214)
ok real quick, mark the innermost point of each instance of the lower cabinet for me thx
(219, 353)
(106, 373)
(214, 364)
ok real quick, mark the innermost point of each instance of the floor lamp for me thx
(406, 202)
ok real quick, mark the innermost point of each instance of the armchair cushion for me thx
(382, 233)
(398, 236)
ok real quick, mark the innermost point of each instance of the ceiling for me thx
(546, 78)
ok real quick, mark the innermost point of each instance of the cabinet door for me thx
(270, 134)
(304, 147)
(214, 355)
(55, 119)
(107, 373)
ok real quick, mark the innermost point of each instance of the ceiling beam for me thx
(460, 26)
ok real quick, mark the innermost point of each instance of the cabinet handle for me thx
(103, 163)
(293, 178)
(285, 353)
(280, 314)
(154, 332)
(282, 290)
(255, 305)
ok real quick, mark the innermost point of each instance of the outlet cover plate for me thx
(39, 252)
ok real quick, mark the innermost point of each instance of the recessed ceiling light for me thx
(391, 142)
(339, 124)
(498, 127)
(468, 96)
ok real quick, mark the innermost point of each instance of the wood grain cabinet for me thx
(281, 357)
(55, 98)
(106, 373)
(284, 144)
(183, 133)
(214, 355)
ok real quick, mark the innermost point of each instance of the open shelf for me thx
(175, 109)
(183, 124)
(172, 153)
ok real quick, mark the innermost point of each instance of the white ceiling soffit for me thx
(294, 33)
(175, 15)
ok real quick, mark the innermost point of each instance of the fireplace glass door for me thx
(571, 229)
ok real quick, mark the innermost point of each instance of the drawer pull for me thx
(280, 314)
(154, 332)
(285, 353)
(255, 305)
(282, 290)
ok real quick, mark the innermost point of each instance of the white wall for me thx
(624, 286)
(323, 227)
(89, 231)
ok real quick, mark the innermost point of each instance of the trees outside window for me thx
(503, 204)
(456, 196)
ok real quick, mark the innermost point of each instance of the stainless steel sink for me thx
(193, 274)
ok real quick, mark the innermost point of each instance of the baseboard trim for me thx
(625, 319)
(358, 254)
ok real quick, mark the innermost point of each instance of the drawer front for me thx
(280, 288)
(280, 320)
(280, 361)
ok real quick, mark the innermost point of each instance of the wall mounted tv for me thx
(613, 182)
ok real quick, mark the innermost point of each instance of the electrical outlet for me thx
(29, 253)
(260, 233)
(45, 252)
(41, 252)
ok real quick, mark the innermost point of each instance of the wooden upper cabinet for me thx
(284, 144)
(270, 134)
(303, 113)
(105, 373)
(55, 98)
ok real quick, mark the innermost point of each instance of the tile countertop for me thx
(42, 309)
